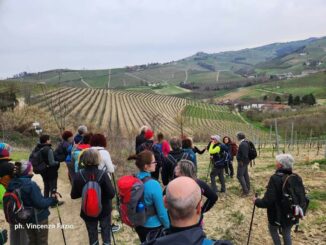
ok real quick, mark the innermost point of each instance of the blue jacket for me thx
(153, 197)
(32, 197)
(191, 155)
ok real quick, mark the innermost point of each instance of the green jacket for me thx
(2, 192)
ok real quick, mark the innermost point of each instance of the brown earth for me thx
(228, 219)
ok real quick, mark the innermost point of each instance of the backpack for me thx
(91, 203)
(37, 161)
(224, 157)
(131, 195)
(294, 202)
(13, 207)
(234, 149)
(156, 151)
(61, 152)
(252, 153)
(174, 161)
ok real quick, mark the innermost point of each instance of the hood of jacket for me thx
(24, 182)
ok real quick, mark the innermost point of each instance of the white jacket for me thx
(105, 162)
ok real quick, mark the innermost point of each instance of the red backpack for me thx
(132, 205)
(92, 195)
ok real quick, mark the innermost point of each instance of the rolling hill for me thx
(199, 69)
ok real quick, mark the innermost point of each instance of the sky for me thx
(38, 35)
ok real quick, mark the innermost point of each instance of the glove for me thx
(3, 237)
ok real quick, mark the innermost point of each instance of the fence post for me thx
(276, 134)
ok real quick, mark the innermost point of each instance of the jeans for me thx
(93, 230)
(220, 173)
(243, 177)
(38, 236)
(229, 169)
(143, 231)
(286, 234)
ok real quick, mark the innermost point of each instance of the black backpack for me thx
(174, 162)
(294, 202)
(252, 153)
(13, 207)
(37, 160)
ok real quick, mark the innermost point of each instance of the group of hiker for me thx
(162, 202)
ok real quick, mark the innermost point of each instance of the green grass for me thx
(212, 113)
(171, 90)
(318, 195)
(20, 155)
(237, 217)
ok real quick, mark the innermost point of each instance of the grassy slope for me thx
(230, 217)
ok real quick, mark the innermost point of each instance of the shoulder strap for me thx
(83, 177)
(173, 159)
(285, 181)
(184, 156)
(147, 178)
(101, 175)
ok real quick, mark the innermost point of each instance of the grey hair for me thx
(286, 160)
(182, 207)
(143, 129)
(90, 157)
(82, 129)
(187, 168)
(240, 135)
(175, 143)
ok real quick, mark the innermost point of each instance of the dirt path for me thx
(228, 219)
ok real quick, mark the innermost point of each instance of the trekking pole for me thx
(252, 219)
(63, 233)
(117, 197)
(209, 168)
(112, 236)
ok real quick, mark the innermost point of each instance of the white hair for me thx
(82, 129)
(286, 160)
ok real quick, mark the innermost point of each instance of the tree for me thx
(296, 100)
(278, 99)
(290, 100)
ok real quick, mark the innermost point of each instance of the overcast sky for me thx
(37, 35)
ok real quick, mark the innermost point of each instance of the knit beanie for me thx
(216, 137)
(4, 154)
(149, 134)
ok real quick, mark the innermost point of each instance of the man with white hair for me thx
(279, 187)
(82, 129)
(183, 202)
(140, 139)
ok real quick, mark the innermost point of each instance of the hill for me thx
(201, 69)
(124, 112)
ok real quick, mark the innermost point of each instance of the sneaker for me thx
(115, 228)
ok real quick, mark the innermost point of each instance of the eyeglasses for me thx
(154, 162)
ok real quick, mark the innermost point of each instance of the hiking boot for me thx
(244, 194)
(115, 228)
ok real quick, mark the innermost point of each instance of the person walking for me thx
(163, 144)
(81, 131)
(50, 173)
(31, 197)
(229, 165)
(187, 168)
(90, 172)
(183, 202)
(153, 198)
(217, 152)
(272, 200)
(187, 147)
(243, 162)
(140, 139)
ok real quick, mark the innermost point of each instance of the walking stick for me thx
(112, 236)
(252, 219)
(209, 169)
(63, 233)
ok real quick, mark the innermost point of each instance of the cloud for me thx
(48, 34)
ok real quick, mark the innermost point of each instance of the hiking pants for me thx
(143, 231)
(229, 169)
(243, 177)
(71, 171)
(38, 236)
(18, 236)
(286, 234)
(220, 173)
(50, 178)
(93, 230)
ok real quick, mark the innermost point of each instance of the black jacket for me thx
(140, 139)
(170, 163)
(243, 152)
(272, 198)
(193, 235)
(207, 192)
(51, 171)
(6, 167)
(106, 188)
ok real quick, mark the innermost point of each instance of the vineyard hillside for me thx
(124, 112)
